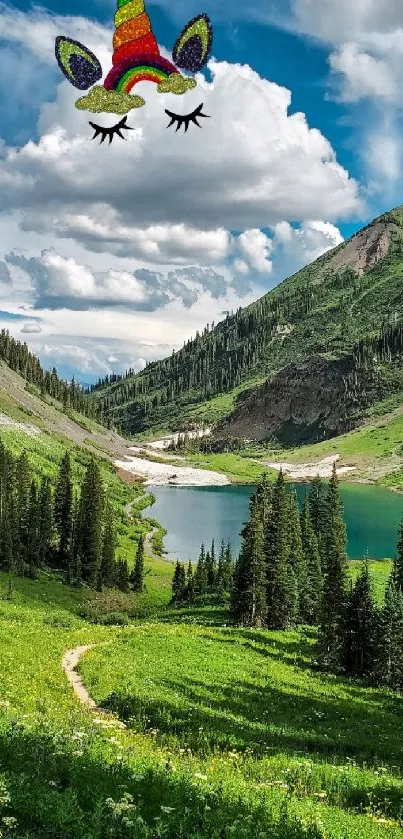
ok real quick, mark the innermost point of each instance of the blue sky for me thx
(118, 255)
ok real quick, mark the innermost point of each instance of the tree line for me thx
(222, 356)
(18, 357)
(210, 582)
(293, 569)
(59, 525)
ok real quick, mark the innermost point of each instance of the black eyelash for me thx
(186, 120)
(110, 132)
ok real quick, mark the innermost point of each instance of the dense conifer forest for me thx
(292, 570)
(320, 310)
(57, 525)
(18, 357)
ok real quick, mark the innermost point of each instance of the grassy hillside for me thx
(230, 731)
(324, 310)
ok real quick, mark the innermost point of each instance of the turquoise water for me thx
(192, 515)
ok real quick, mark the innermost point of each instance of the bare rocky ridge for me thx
(364, 250)
(306, 402)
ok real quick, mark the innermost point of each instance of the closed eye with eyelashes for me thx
(110, 132)
(186, 119)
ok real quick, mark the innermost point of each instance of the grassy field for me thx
(244, 707)
(232, 733)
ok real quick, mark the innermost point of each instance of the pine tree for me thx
(297, 561)
(63, 509)
(31, 550)
(359, 627)
(45, 522)
(280, 580)
(248, 600)
(211, 567)
(190, 584)
(388, 667)
(179, 584)
(398, 562)
(311, 595)
(23, 485)
(264, 493)
(335, 587)
(108, 565)
(317, 508)
(137, 576)
(221, 567)
(122, 575)
(201, 574)
(90, 524)
(228, 569)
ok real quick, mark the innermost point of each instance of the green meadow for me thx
(203, 731)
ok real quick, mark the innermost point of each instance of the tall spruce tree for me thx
(63, 509)
(32, 530)
(335, 587)
(388, 667)
(264, 493)
(280, 579)
(297, 561)
(211, 567)
(23, 486)
(108, 564)
(45, 522)
(318, 515)
(137, 576)
(122, 575)
(398, 562)
(179, 584)
(201, 573)
(358, 649)
(7, 497)
(248, 601)
(190, 584)
(90, 520)
(311, 596)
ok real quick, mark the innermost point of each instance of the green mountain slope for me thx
(322, 312)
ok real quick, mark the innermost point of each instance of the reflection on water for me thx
(192, 515)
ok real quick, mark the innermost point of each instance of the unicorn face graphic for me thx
(136, 58)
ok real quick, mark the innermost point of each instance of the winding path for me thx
(70, 661)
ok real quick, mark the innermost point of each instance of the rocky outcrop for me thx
(310, 400)
(364, 250)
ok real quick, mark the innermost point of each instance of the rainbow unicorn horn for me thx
(136, 56)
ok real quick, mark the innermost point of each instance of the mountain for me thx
(300, 364)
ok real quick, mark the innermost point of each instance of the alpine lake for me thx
(192, 515)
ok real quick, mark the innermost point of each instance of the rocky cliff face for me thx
(308, 401)
(364, 250)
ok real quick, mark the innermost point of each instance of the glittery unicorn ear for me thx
(78, 64)
(192, 49)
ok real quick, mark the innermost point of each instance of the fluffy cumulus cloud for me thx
(196, 185)
(31, 328)
(256, 247)
(60, 282)
(167, 223)
(298, 246)
(365, 41)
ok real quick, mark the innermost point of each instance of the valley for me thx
(185, 723)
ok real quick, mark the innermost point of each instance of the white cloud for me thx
(164, 194)
(31, 328)
(346, 20)
(299, 246)
(363, 75)
(256, 247)
(140, 231)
